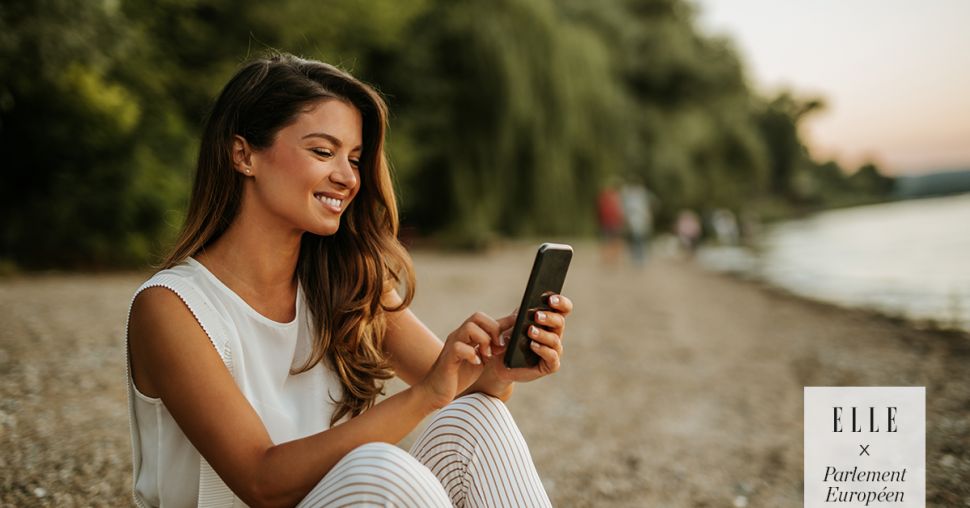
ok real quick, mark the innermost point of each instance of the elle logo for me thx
(873, 424)
(865, 446)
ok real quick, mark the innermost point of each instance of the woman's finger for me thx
(545, 337)
(467, 352)
(548, 355)
(503, 339)
(477, 337)
(486, 323)
(550, 319)
(561, 303)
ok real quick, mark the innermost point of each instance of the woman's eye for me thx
(355, 163)
(322, 152)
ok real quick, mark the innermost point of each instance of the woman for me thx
(256, 355)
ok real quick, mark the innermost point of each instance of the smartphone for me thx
(546, 279)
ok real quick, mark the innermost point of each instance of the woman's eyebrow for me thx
(328, 137)
(323, 135)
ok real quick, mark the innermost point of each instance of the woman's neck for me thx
(255, 254)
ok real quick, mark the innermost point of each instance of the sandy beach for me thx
(679, 387)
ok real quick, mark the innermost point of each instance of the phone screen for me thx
(547, 278)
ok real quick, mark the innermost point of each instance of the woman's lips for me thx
(333, 204)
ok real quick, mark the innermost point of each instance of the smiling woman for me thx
(257, 352)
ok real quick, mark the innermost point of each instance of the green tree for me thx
(507, 116)
(71, 193)
(779, 120)
(692, 135)
(508, 110)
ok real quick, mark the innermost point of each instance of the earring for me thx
(248, 171)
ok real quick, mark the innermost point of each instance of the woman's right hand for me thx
(460, 362)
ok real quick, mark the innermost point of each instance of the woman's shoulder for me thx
(178, 285)
(182, 274)
(186, 279)
(189, 281)
(169, 293)
(170, 318)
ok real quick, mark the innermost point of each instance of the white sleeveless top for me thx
(259, 353)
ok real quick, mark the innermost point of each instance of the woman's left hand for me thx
(546, 342)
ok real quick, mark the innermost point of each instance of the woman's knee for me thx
(470, 421)
(375, 451)
(481, 399)
(483, 410)
(475, 440)
(383, 458)
(378, 473)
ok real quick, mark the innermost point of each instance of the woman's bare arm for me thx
(411, 345)
(413, 348)
(172, 359)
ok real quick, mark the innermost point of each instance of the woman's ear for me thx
(242, 155)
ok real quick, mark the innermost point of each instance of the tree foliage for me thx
(507, 115)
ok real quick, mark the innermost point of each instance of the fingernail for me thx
(554, 299)
(488, 351)
(540, 316)
(535, 345)
(533, 331)
(477, 360)
(501, 340)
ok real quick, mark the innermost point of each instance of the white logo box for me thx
(865, 446)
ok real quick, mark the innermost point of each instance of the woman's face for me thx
(310, 173)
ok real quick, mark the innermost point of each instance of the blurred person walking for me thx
(725, 226)
(637, 211)
(688, 230)
(609, 210)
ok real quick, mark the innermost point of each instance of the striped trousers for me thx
(470, 455)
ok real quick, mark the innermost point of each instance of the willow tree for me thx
(509, 114)
(515, 108)
(698, 138)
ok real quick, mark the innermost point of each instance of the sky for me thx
(895, 74)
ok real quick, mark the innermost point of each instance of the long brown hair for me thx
(343, 275)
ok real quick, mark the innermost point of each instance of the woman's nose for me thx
(344, 174)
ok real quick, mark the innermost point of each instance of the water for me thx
(909, 258)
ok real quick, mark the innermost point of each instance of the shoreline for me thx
(706, 259)
(917, 324)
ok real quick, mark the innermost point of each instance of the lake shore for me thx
(679, 387)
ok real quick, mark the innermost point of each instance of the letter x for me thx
(865, 450)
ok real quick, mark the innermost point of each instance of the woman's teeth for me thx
(329, 201)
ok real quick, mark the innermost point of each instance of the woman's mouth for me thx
(333, 204)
